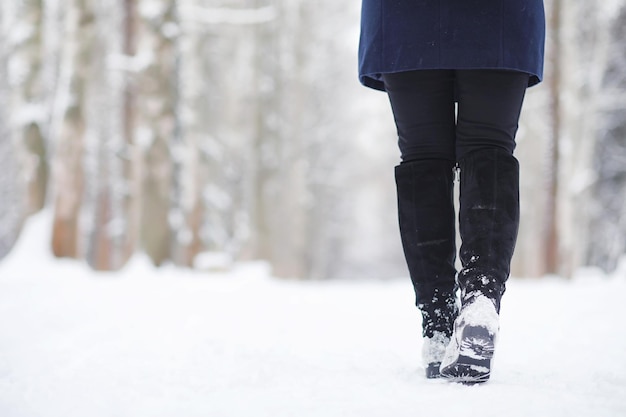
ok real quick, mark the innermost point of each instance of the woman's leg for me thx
(490, 103)
(423, 108)
(489, 107)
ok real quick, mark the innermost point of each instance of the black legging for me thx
(489, 105)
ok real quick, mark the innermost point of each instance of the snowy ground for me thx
(177, 343)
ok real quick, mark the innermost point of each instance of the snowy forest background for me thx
(185, 129)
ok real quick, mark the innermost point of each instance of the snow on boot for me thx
(438, 318)
(468, 356)
(433, 351)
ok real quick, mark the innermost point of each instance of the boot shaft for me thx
(426, 220)
(488, 221)
(427, 229)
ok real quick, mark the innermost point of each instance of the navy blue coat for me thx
(405, 35)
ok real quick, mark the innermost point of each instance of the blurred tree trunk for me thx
(104, 198)
(607, 226)
(579, 57)
(551, 238)
(266, 146)
(298, 157)
(11, 204)
(585, 40)
(223, 120)
(27, 65)
(324, 168)
(131, 155)
(68, 165)
(288, 201)
(189, 209)
(157, 121)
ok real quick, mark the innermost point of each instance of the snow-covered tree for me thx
(560, 133)
(11, 194)
(68, 164)
(157, 121)
(131, 158)
(104, 218)
(607, 213)
(29, 118)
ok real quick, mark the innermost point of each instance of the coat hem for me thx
(374, 79)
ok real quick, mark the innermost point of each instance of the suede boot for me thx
(426, 217)
(489, 221)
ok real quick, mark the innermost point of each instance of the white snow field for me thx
(177, 343)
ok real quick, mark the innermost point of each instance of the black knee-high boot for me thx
(488, 223)
(426, 217)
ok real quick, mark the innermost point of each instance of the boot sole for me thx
(432, 370)
(473, 364)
